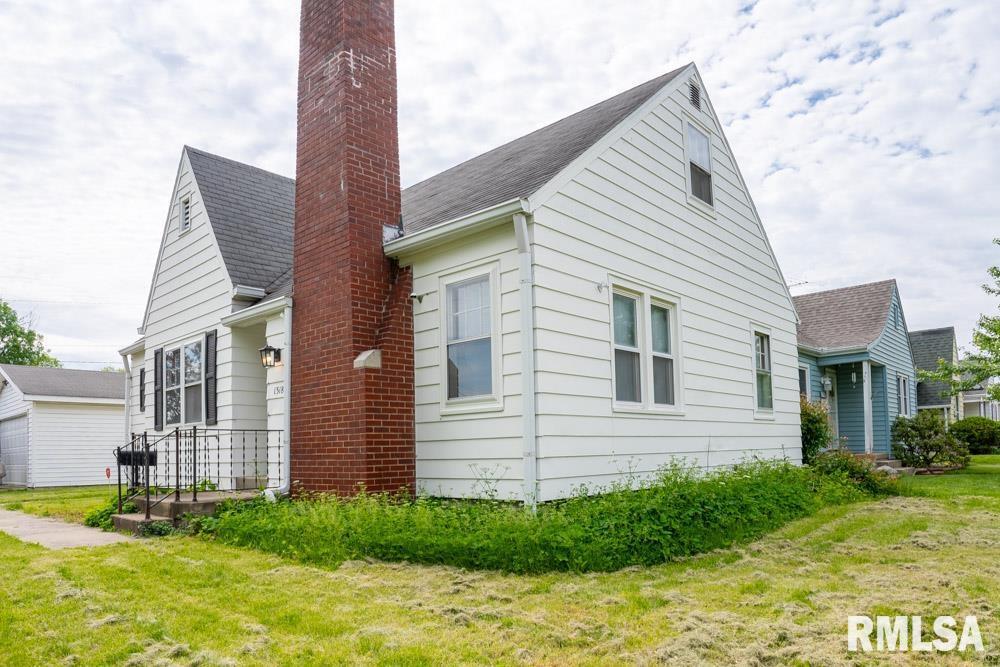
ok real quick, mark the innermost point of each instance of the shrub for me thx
(101, 516)
(841, 464)
(922, 441)
(980, 434)
(679, 513)
(816, 433)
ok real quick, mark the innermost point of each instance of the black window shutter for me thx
(142, 390)
(211, 404)
(158, 389)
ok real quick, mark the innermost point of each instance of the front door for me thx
(831, 403)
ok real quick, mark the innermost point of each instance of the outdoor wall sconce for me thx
(270, 356)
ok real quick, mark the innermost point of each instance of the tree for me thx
(979, 366)
(19, 343)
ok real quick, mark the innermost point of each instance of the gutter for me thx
(530, 439)
(822, 351)
(245, 292)
(257, 313)
(447, 231)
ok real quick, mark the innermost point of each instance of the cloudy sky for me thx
(868, 132)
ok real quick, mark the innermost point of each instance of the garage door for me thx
(14, 450)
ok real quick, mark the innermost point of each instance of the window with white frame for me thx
(628, 355)
(762, 363)
(645, 363)
(185, 214)
(804, 381)
(470, 338)
(699, 164)
(663, 355)
(903, 394)
(182, 386)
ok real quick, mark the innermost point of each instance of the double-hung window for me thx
(628, 356)
(645, 365)
(762, 363)
(470, 341)
(804, 382)
(903, 394)
(699, 164)
(182, 387)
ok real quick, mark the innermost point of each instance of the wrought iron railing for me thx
(194, 460)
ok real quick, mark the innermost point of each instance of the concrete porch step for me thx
(132, 523)
(167, 507)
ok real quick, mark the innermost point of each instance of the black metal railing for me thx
(193, 460)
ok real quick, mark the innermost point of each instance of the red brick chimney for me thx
(350, 425)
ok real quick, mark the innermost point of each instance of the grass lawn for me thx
(67, 502)
(781, 600)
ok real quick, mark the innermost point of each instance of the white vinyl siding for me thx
(626, 214)
(190, 295)
(465, 450)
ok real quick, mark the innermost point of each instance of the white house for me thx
(590, 301)
(59, 426)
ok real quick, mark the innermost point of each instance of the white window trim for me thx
(184, 200)
(766, 414)
(695, 202)
(167, 349)
(647, 297)
(802, 367)
(903, 394)
(492, 402)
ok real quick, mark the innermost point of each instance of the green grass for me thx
(70, 503)
(782, 599)
(981, 478)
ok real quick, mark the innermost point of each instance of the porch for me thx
(191, 470)
(855, 393)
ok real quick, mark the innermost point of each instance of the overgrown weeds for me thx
(680, 512)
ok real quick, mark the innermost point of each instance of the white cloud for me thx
(868, 132)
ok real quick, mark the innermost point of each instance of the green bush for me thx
(680, 513)
(856, 471)
(101, 516)
(923, 441)
(981, 435)
(816, 433)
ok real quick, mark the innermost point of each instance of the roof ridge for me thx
(57, 368)
(934, 330)
(847, 287)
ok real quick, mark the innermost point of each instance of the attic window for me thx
(694, 94)
(185, 213)
(699, 164)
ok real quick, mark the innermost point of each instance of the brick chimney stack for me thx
(352, 408)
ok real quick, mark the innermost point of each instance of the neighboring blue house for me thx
(854, 355)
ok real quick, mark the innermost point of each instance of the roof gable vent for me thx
(694, 94)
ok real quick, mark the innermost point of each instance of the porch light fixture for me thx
(270, 356)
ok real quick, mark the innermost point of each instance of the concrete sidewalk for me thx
(53, 533)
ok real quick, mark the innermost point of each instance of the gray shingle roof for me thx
(35, 380)
(252, 211)
(847, 317)
(928, 346)
(519, 168)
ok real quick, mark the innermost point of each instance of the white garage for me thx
(59, 426)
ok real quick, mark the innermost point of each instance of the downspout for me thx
(286, 452)
(128, 398)
(526, 274)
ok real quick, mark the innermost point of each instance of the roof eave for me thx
(94, 400)
(448, 231)
(257, 313)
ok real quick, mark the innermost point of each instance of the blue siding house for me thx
(855, 357)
